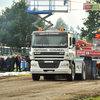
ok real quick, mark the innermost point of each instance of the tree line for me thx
(15, 24)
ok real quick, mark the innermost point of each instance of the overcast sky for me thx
(72, 18)
(5, 3)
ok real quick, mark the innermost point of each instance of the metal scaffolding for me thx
(48, 7)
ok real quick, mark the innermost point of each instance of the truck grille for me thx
(48, 55)
(42, 64)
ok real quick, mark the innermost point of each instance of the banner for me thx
(88, 6)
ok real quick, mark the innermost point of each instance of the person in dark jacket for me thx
(28, 63)
(12, 62)
(18, 63)
(1, 63)
(8, 63)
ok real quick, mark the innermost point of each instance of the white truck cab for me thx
(53, 53)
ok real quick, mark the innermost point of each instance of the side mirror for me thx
(19, 50)
(74, 40)
(27, 38)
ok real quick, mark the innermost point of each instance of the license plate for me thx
(48, 61)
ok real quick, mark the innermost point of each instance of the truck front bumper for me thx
(63, 68)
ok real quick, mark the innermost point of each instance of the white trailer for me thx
(53, 53)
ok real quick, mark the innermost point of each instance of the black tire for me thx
(35, 77)
(71, 76)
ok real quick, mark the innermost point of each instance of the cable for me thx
(75, 9)
(77, 1)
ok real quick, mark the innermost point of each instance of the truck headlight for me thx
(33, 64)
(64, 64)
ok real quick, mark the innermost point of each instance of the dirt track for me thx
(24, 88)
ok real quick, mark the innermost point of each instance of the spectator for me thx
(8, 63)
(18, 62)
(1, 63)
(12, 62)
(28, 63)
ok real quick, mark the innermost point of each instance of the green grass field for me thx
(92, 98)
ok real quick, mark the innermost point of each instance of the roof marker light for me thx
(99, 31)
(40, 29)
(61, 29)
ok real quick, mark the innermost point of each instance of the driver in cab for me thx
(43, 40)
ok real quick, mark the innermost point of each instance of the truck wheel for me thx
(81, 76)
(71, 76)
(35, 77)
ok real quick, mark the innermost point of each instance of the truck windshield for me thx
(96, 42)
(50, 41)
